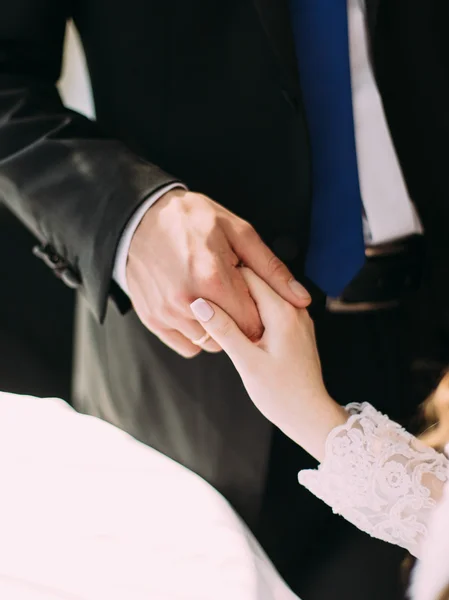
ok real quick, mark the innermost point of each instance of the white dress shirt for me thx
(388, 211)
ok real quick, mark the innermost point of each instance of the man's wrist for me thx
(121, 256)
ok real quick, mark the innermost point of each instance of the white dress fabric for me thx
(392, 486)
(432, 572)
(89, 513)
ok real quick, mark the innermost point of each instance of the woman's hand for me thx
(188, 246)
(281, 372)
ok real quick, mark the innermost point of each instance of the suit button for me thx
(48, 254)
(70, 279)
(57, 264)
(286, 247)
(50, 257)
(39, 251)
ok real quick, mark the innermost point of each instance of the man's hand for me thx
(186, 247)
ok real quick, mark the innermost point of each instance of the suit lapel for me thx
(275, 18)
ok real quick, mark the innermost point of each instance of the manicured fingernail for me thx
(202, 310)
(298, 289)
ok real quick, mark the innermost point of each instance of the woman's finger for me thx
(272, 308)
(223, 330)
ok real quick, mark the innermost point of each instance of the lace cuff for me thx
(379, 477)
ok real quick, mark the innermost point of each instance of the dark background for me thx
(36, 318)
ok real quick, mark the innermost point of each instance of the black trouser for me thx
(365, 357)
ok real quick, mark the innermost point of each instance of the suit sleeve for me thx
(70, 183)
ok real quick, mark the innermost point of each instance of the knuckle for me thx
(179, 302)
(188, 204)
(275, 266)
(212, 350)
(147, 323)
(247, 230)
(210, 279)
(148, 319)
(206, 223)
(179, 203)
(190, 353)
(201, 199)
(169, 312)
(205, 215)
(225, 328)
(183, 198)
(164, 311)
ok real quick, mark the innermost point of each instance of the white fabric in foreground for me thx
(88, 513)
(380, 478)
(431, 574)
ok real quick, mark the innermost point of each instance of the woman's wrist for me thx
(312, 430)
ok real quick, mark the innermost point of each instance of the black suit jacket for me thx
(208, 93)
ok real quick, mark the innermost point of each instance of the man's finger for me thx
(223, 330)
(271, 306)
(193, 331)
(256, 255)
(171, 338)
(179, 343)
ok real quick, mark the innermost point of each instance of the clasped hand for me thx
(282, 371)
(188, 246)
(185, 279)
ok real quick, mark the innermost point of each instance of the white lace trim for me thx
(379, 477)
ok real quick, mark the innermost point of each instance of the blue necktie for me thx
(336, 250)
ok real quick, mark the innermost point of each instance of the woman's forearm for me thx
(311, 431)
(379, 477)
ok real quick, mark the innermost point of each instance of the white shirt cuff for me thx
(121, 256)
